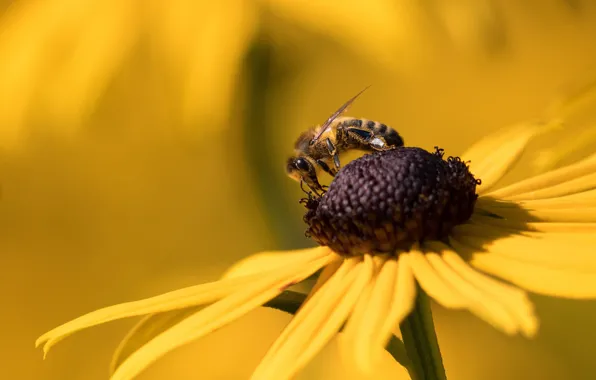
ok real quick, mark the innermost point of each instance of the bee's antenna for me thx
(341, 110)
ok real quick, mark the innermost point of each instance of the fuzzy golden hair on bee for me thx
(303, 141)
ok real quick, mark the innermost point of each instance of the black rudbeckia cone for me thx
(387, 201)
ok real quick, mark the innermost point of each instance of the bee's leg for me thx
(305, 201)
(331, 171)
(314, 185)
(336, 160)
(333, 152)
(309, 193)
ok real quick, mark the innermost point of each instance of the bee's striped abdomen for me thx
(389, 134)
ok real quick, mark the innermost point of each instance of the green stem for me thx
(289, 301)
(420, 341)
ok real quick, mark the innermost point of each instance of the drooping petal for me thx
(520, 226)
(433, 283)
(523, 189)
(547, 281)
(273, 260)
(517, 212)
(486, 308)
(572, 186)
(402, 302)
(516, 299)
(335, 282)
(577, 200)
(533, 247)
(145, 330)
(317, 322)
(491, 157)
(531, 276)
(506, 308)
(214, 316)
(324, 276)
(178, 299)
(570, 215)
(369, 315)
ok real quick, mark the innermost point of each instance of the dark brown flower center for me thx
(389, 200)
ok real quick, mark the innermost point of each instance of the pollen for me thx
(387, 201)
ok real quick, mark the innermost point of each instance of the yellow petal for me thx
(317, 322)
(576, 200)
(524, 189)
(515, 299)
(573, 252)
(178, 299)
(513, 212)
(369, 316)
(574, 140)
(582, 215)
(548, 281)
(266, 261)
(491, 157)
(146, 329)
(576, 97)
(433, 283)
(214, 316)
(401, 304)
(337, 317)
(337, 281)
(324, 276)
(572, 186)
(519, 226)
(360, 309)
(484, 306)
(504, 307)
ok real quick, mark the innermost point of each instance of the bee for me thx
(319, 147)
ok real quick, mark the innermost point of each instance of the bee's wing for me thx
(337, 113)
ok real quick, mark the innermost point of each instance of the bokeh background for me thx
(143, 143)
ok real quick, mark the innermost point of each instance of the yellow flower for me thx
(65, 54)
(537, 234)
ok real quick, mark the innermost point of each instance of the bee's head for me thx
(300, 168)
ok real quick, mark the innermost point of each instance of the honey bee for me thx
(319, 147)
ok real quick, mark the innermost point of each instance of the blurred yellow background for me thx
(143, 146)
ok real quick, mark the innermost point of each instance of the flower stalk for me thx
(420, 341)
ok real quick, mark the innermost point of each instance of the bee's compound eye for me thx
(301, 164)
